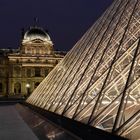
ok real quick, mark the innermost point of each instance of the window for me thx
(17, 70)
(1, 61)
(29, 72)
(1, 71)
(37, 72)
(28, 51)
(17, 88)
(0, 87)
(37, 50)
(36, 84)
(46, 72)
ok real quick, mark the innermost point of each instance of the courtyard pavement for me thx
(12, 126)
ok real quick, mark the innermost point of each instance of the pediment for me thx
(37, 41)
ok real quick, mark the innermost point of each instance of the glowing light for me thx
(28, 85)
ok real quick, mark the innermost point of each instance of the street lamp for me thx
(28, 89)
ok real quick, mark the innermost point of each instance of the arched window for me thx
(17, 88)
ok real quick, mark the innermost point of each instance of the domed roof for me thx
(36, 33)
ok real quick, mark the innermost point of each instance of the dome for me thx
(36, 33)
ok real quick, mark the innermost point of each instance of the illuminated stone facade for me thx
(98, 81)
(22, 69)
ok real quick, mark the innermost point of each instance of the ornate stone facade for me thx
(22, 69)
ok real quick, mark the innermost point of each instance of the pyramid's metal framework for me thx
(98, 81)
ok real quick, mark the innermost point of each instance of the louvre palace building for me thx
(22, 69)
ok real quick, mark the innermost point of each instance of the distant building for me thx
(22, 69)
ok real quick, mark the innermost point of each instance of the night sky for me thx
(66, 20)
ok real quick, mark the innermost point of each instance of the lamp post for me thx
(28, 89)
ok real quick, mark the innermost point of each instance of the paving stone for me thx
(12, 126)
